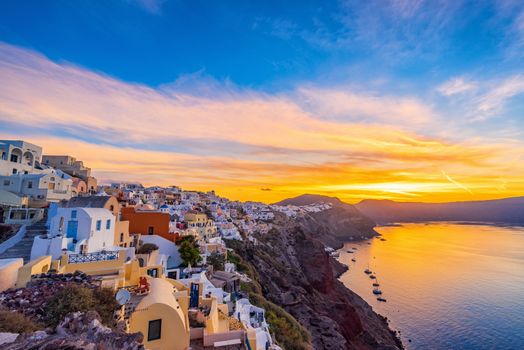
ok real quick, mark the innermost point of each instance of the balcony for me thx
(92, 257)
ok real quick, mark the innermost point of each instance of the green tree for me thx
(216, 260)
(189, 252)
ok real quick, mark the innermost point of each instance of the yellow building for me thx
(161, 319)
(201, 223)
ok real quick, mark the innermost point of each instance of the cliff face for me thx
(342, 223)
(297, 274)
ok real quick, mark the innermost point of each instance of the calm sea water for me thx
(448, 286)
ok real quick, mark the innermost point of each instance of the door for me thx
(72, 228)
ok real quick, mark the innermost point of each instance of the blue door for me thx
(193, 296)
(72, 228)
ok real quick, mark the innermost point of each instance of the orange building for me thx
(147, 222)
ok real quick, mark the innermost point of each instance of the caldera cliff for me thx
(290, 268)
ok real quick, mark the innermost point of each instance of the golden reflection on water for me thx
(446, 285)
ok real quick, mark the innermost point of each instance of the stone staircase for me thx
(23, 248)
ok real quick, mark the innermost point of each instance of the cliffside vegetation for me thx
(289, 333)
(73, 298)
(16, 322)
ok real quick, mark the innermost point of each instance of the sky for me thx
(264, 100)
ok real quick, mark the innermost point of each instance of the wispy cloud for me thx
(152, 6)
(456, 86)
(496, 96)
(346, 105)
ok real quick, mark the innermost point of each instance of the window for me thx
(153, 273)
(108, 224)
(73, 214)
(7, 182)
(98, 225)
(150, 230)
(14, 171)
(154, 330)
(121, 236)
(14, 158)
(29, 184)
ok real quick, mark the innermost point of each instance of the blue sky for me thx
(272, 44)
(351, 87)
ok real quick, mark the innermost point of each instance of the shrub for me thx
(73, 298)
(217, 260)
(105, 304)
(147, 248)
(16, 322)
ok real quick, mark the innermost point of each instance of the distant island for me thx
(501, 211)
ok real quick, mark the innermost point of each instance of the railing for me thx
(92, 257)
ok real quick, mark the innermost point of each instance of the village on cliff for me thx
(161, 250)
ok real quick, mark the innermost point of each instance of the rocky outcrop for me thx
(78, 331)
(296, 273)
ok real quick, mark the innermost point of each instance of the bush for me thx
(216, 260)
(7, 231)
(16, 322)
(147, 248)
(73, 298)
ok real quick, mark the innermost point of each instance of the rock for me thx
(79, 331)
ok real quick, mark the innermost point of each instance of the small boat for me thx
(355, 248)
(350, 251)
(367, 271)
(382, 239)
(353, 259)
(372, 277)
(381, 299)
(376, 284)
(377, 291)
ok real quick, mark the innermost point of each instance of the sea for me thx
(446, 285)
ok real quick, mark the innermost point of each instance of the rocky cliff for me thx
(295, 272)
(342, 223)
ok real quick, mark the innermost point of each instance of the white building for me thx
(47, 186)
(253, 318)
(19, 157)
(77, 231)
